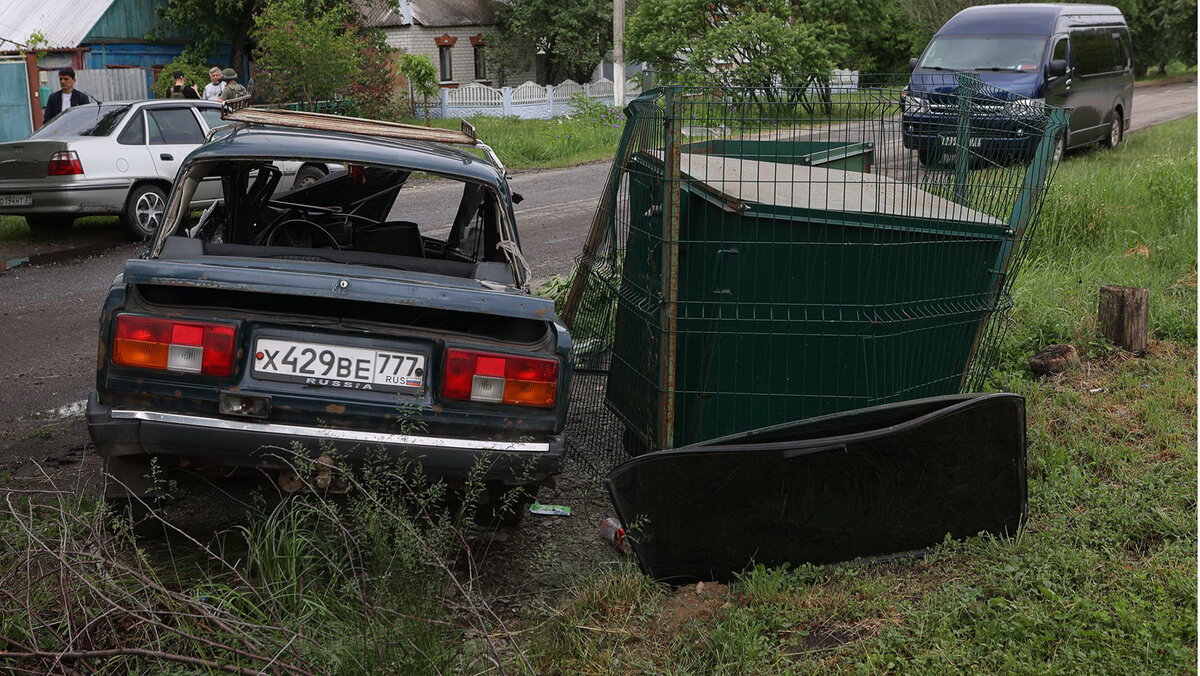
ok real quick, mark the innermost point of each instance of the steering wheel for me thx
(299, 233)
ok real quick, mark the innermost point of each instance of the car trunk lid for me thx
(27, 159)
(338, 281)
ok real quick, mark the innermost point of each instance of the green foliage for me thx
(1125, 217)
(745, 43)
(422, 78)
(206, 24)
(573, 36)
(195, 73)
(304, 54)
(559, 142)
(312, 52)
(307, 584)
(1162, 31)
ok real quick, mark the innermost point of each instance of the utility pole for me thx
(619, 53)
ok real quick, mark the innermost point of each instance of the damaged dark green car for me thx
(326, 318)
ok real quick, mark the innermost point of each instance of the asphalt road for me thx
(49, 306)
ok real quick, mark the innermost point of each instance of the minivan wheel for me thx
(928, 156)
(143, 210)
(1116, 131)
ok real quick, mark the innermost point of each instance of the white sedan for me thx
(116, 157)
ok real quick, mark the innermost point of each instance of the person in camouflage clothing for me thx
(232, 90)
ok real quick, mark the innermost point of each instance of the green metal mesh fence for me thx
(764, 256)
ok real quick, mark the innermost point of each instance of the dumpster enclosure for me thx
(759, 257)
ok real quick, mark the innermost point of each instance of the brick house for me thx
(453, 33)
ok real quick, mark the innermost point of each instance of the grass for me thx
(1103, 580)
(1173, 69)
(546, 144)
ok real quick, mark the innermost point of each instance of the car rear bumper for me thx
(98, 198)
(247, 443)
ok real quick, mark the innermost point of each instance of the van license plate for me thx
(16, 200)
(351, 368)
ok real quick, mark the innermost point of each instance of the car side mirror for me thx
(517, 198)
(912, 64)
(1056, 68)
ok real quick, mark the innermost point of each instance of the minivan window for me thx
(1060, 50)
(1016, 53)
(84, 121)
(1096, 51)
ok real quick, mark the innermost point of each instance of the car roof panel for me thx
(279, 143)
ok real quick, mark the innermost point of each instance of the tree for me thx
(573, 35)
(317, 52)
(421, 74)
(206, 23)
(746, 43)
(1162, 31)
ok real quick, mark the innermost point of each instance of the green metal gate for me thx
(15, 120)
(785, 260)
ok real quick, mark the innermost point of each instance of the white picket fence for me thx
(529, 100)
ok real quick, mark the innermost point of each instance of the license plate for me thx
(975, 142)
(351, 368)
(16, 200)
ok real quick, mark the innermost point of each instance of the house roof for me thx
(64, 24)
(429, 12)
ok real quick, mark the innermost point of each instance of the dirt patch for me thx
(695, 603)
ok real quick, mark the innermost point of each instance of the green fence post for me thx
(962, 159)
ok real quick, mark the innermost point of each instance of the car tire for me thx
(308, 174)
(1116, 131)
(43, 225)
(493, 512)
(143, 210)
(928, 156)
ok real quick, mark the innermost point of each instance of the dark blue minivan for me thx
(1071, 56)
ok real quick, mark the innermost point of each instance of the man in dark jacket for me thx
(64, 99)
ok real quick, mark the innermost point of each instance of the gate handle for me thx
(718, 277)
(166, 157)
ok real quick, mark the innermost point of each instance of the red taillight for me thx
(500, 378)
(169, 345)
(65, 163)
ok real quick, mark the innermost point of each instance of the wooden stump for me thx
(1124, 316)
(1054, 359)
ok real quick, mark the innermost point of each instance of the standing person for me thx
(232, 89)
(212, 92)
(180, 90)
(64, 98)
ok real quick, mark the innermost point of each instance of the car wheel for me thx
(503, 511)
(1116, 131)
(143, 210)
(41, 225)
(928, 156)
(308, 175)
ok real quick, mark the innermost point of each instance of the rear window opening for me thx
(358, 215)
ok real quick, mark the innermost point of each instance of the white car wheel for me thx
(143, 210)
